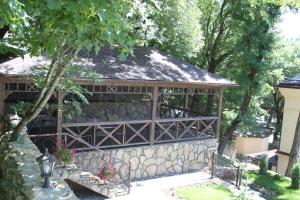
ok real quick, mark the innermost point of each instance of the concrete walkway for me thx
(155, 189)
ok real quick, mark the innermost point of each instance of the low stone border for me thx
(20, 174)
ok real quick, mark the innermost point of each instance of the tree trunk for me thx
(293, 158)
(234, 124)
(277, 98)
(46, 93)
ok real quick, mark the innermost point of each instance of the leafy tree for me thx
(59, 29)
(237, 38)
(172, 26)
(219, 39)
(255, 40)
(285, 63)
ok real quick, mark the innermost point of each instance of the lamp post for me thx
(46, 162)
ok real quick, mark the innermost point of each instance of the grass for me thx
(205, 192)
(281, 185)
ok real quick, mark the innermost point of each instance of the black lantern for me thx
(46, 162)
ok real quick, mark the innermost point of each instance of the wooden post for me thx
(186, 104)
(59, 117)
(153, 114)
(238, 177)
(219, 107)
(212, 164)
(2, 97)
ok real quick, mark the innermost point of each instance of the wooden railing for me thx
(107, 134)
(185, 128)
(136, 132)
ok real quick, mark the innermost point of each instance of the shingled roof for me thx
(145, 65)
(291, 82)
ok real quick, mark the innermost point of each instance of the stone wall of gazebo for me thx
(163, 159)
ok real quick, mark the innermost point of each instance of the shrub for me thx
(277, 177)
(65, 155)
(263, 165)
(296, 176)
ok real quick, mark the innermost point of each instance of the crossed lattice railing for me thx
(185, 128)
(106, 134)
(137, 132)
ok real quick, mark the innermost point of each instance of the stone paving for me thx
(156, 188)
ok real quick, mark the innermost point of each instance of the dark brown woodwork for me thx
(153, 113)
(59, 116)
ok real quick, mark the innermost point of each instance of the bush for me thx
(296, 176)
(263, 165)
(276, 177)
(65, 155)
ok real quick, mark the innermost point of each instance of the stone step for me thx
(89, 180)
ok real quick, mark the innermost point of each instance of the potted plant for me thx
(65, 155)
(107, 172)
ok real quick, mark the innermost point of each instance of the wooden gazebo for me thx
(158, 92)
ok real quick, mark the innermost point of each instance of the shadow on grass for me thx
(279, 185)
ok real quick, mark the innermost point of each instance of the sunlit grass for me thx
(280, 186)
(205, 192)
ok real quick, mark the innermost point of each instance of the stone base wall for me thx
(165, 159)
(20, 174)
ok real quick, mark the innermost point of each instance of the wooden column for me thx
(2, 97)
(186, 103)
(219, 107)
(153, 114)
(59, 117)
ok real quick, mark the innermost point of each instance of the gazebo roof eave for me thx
(158, 83)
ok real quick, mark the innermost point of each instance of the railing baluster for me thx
(124, 133)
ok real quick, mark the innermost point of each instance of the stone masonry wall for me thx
(20, 174)
(163, 159)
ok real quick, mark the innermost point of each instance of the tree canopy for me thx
(59, 29)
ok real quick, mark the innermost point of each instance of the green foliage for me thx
(280, 187)
(58, 30)
(172, 26)
(277, 177)
(295, 176)
(65, 155)
(21, 108)
(5, 125)
(232, 38)
(12, 12)
(263, 165)
(71, 109)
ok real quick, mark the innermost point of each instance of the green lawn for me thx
(205, 192)
(281, 186)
